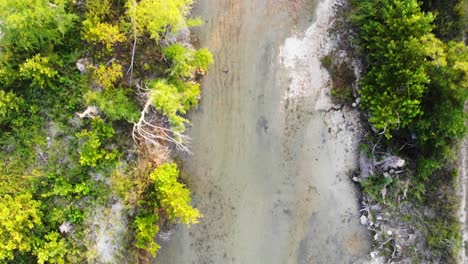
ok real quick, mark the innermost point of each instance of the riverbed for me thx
(271, 154)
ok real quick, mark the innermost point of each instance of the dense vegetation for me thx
(123, 65)
(414, 91)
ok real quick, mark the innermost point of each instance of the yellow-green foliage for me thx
(394, 35)
(190, 94)
(105, 34)
(52, 251)
(97, 10)
(166, 98)
(9, 102)
(107, 76)
(115, 103)
(34, 24)
(92, 152)
(174, 97)
(145, 233)
(173, 196)
(38, 69)
(155, 16)
(202, 59)
(186, 61)
(100, 27)
(18, 216)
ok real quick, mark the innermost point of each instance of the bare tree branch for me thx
(152, 134)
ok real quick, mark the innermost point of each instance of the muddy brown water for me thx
(264, 170)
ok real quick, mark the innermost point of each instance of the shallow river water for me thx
(270, 163)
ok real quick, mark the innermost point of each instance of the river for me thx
(270, 162)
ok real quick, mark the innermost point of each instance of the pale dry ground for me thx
(463, 191)
(269, 170)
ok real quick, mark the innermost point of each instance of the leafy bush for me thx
(190, 94)
(15, 231)
(53, 250)
(173, 195)
(34, 24)
(156, 16)
(202, 59)
(9, 103)
(174, 97)
(444, 118)
(166, 98)
(39, 70)
(62, 187)
(103, 33)
(91, 151)
(115, 103)
(186, 61)
(391, 32)
(107, 76)
(145, 233)
(97, 11)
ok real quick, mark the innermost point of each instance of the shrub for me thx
(145, 233)
(39, 70)
(190, 94)
(186, 61)
(15, 232)
(202, 59)
(115, 103)
(97, 10)
(9, 103)
(374, 185)
(173, 195)
(103, 33)
(91, 151)
(391, 32)
(342, 94)
(157, 16)
(34, 24)
(53, 250)
(107, 76)
(166, 98)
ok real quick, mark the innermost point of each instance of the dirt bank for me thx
(270, 163)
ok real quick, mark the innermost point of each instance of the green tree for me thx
(392, 33)
(443, 123)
